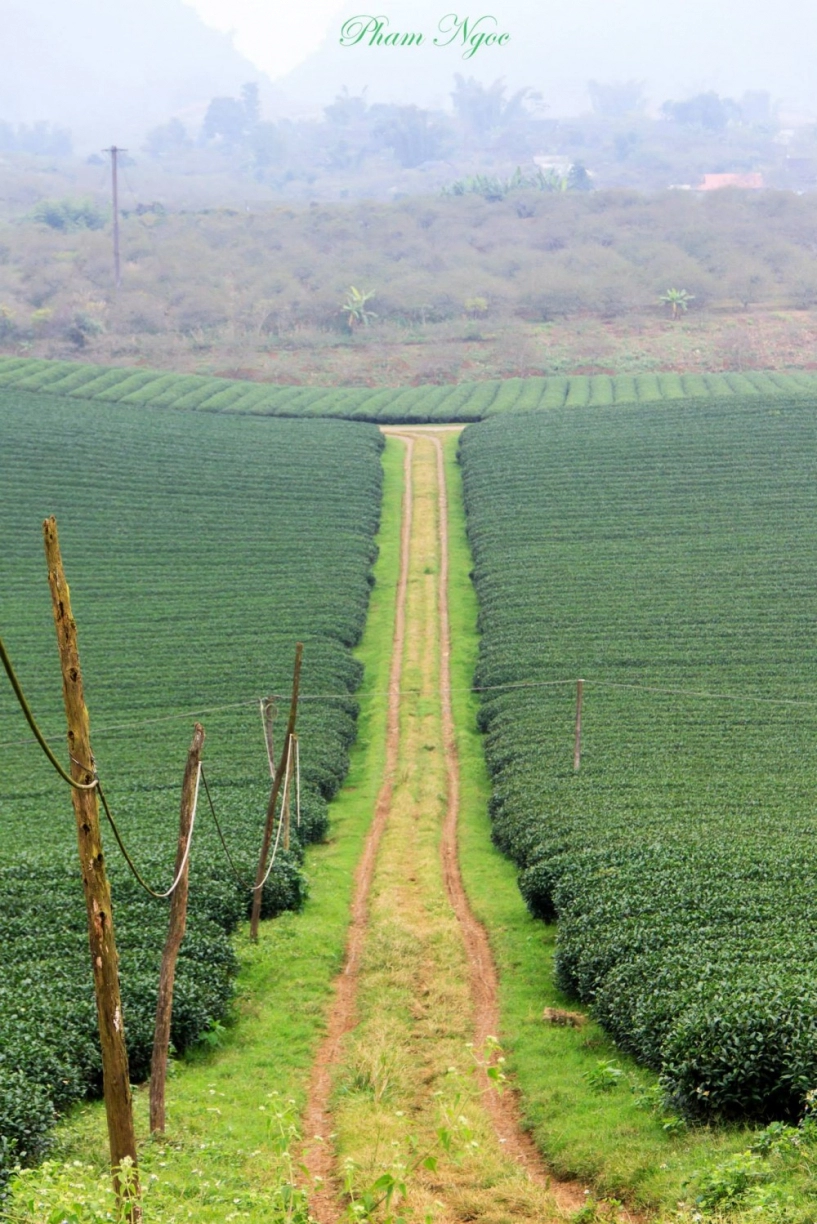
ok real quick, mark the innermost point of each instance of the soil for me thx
(700, 342)
(318, 1156)
(419, 974)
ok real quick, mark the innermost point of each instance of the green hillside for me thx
(464, 402)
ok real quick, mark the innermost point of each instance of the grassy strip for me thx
(232, 1111)
(407, 1067)
(594, 1112)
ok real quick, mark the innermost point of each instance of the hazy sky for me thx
(113, 69)
(676, 48)
(276, 36)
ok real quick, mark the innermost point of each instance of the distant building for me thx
(748, 182)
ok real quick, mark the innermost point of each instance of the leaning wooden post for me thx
(267, 715)
(285, 811)
(104, 960)
(276, 786)
(577, 742)
(175, 935)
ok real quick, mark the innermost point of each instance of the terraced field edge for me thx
(459, 402)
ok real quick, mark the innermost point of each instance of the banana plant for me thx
(678, 300)
(354, 307)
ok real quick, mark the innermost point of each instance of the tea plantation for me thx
(198, 549)
(670, 559)
(458, 402)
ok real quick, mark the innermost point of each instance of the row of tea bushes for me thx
(669, 559)
(199, 549)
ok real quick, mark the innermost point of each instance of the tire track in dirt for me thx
(502, 1107)
(317, 1154)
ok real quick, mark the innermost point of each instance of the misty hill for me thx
(679, 50)
(110, 71)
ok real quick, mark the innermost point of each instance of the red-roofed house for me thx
(749, 182)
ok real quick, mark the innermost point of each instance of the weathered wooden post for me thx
(276, 786)
(175, 934)
(267, 716)
(104, 959)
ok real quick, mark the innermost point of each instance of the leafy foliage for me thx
(460, 402)
(199, 548)
(68, 215)
(661, 555)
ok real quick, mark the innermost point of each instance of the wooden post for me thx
(285, 811)
(175, 934)
(297, 744)
(104, 960)
(267, 713)
(276, 786)
(577, 743)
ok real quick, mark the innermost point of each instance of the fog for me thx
(676, 50)
(111, 71)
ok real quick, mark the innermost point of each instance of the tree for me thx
(233, 120)
(226, 120)
(41, 139)
(346, 108)
(354, 307)
(268, 146)
(67, 214)
(413, 135)
(168, 138)
(678, 300)
(484, 108)
(578, 178)
(705, 110)
(252, 104)
(616, 99)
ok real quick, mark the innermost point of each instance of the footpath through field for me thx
(400, 1090)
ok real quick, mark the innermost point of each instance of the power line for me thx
(159, 896)
(411, 692)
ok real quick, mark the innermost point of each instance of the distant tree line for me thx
(617, 141)
(40, 139)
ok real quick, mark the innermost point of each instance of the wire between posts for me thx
(235, 871)
(32, 722)
(258, 887)
(159, 896)
(249, 887)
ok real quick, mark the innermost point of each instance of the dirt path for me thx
(502, 1107)
(403, 1060)
(318, 1156)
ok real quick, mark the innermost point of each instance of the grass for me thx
(616, 1140)
(199, 549)
(229, 1121)
(408, 1066)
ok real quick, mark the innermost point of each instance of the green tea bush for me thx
(464, 402)
(669, 557)
(199, 548)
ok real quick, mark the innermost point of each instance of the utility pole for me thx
(117, 270)
(104, 959)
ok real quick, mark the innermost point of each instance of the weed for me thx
(604, 1076)
(727, 1185)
